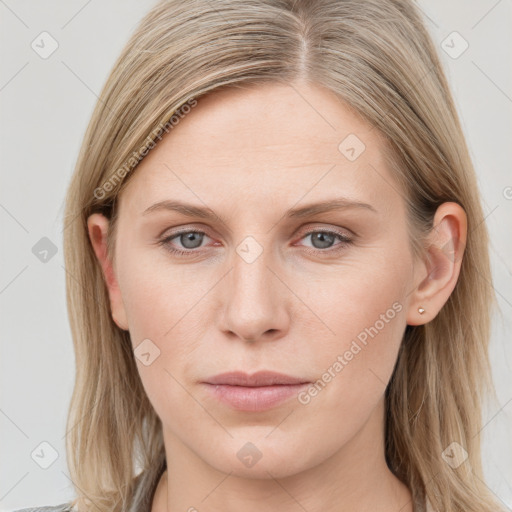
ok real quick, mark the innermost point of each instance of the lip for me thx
(261, 378)
(253, 393)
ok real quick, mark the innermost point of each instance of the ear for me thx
(437, 275)
(97, 226)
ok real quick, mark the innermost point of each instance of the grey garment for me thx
(142, 498)
(63, 507)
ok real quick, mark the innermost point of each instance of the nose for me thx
(256, 301)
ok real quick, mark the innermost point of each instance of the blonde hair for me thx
(376, 56)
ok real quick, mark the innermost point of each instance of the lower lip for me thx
(254, 399)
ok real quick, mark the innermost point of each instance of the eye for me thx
(189, 240)
(323, 240)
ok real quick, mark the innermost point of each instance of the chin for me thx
(258, 457)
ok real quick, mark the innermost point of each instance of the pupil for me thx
(325, 239)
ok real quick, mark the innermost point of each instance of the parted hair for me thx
(378, 57)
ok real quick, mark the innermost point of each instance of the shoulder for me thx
(63, 507)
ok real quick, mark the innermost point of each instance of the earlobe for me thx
(441, 267)
(97, 226)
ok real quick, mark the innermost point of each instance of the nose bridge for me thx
(254, 303)
(250, 265)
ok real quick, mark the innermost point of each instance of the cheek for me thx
(365, 294)
(158, 296)
(159, 302)
(364, 306)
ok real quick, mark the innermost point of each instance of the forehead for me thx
(272, 117)
(265, 140)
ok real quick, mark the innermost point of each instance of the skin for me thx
(249, 156)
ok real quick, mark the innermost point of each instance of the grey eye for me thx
(191, 239)
(322, 240)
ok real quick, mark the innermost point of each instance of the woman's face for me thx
(267, 282)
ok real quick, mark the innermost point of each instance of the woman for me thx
(277, 268)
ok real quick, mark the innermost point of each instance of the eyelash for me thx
(344, 241)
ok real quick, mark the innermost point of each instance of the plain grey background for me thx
(46, 104)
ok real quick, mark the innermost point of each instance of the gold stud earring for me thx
(421, 311)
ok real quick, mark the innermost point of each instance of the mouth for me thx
(253, 393)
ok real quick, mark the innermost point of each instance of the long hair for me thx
(376, 56)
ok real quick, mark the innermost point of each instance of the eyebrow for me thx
(190, 210)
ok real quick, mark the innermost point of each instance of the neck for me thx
(355, 479)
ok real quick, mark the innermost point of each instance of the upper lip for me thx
(261, 378)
